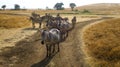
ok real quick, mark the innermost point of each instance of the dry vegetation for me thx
(63, 13)
(102, 43)
(101, 8)
(13, 21)
(41, 12)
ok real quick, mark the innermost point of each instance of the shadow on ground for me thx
(30, 28)
(44, 62)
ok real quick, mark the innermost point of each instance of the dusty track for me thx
(30, 53)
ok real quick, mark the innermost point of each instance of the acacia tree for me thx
(17, 7)
(72, 5)
(58, 6)
(3, 7)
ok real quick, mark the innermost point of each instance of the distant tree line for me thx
(57, 6)
(16, 7)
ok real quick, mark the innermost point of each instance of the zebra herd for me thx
(56, 30)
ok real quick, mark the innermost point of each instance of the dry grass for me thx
(102, 43)
(13, 21)
(102, 8)
(41, 12)
(64, 13)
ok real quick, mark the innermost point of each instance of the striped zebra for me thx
(51, 38)
(35, 18)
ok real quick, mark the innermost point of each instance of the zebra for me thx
(35, 18)
(51, 38)
(73, 21)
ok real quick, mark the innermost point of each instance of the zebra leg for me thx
(50, 53)
(39, 24)
(58, 47)
(33, 25)
(67, 34)
(53, 48)
(63, 37)
(47, 47)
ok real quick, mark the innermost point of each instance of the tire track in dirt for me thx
(30, 53)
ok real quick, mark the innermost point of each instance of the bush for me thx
(85, 11)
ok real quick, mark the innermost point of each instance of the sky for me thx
(42, 4)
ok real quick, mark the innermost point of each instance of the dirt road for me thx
(30, 53)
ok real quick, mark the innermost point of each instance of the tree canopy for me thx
(58, 6)
(3, 7)
(17, 7)
(72, 5)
